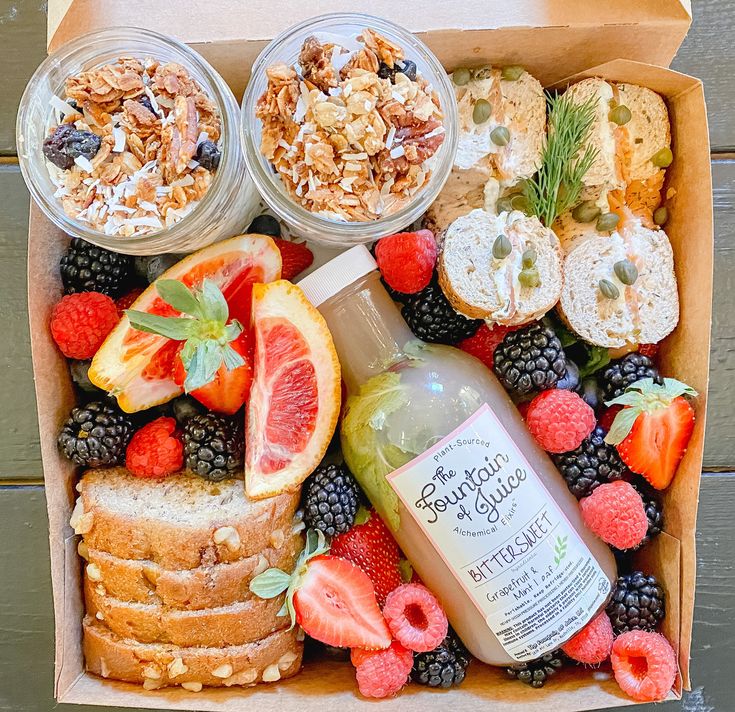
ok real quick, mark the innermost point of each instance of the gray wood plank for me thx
(19, 447)
(708, 52)
(26, 622)
(720, 442)
(22, 48)
(19, 450)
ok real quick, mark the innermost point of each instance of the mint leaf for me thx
(270, 583)
(213, 302)
(178, 296)
(172, 327)
(598, 358)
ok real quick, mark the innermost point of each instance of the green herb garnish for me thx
(565, 159)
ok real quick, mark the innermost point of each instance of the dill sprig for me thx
(558, 183)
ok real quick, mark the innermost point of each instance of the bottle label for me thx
(501, 533)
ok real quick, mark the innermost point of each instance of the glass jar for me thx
(343, 28)
(231, 200)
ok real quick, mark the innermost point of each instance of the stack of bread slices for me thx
(166, 580)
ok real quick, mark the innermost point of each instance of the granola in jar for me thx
(351, 134)
(134, 146)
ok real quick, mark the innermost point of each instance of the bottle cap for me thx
(338, 273)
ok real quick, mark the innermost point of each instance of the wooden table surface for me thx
(26, 628)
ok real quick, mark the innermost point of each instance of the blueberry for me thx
(591, 393)
(145, 101)
(158, 264)
(67, 143)
(184, 407)
(208, 155)
(265, 225)
(570, 380)
(80, 375)
(74, 105)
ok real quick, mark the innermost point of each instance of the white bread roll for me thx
(480, 286)
(644, 312)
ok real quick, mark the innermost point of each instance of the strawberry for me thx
(229, 389)
(371, 546)
(329, 597)
(207, 353)
(652, 430)
(295, 257)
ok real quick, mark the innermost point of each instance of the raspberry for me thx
(523, 407)
(592, 645)
(615, 512)
(155, 451)
(648, 350)
(381, 673)
(482, 345)
(415, 617)
(559, 420)
(295, 257)
(81, 322)
(644, 665)
(406, 260)
(126, 301)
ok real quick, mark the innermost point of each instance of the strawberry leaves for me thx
(643, 396)
(205, 330)
(273, 582)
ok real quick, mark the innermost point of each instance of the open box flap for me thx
(230, 33)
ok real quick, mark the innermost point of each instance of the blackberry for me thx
(67, 143)
(213, 446)
(637, 603)
(624, 372)
(331, 499)
(530, 359)
(592, 464)
(87, 268)
(536, 672)
(444, 666)
(432, 318)
(96, 435)
(654, 510)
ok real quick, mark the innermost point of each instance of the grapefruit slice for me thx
(137, 367)
(295, 397)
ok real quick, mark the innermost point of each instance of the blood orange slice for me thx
(136, 366)
(295, 396)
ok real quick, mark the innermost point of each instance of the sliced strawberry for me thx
(372, 547)
(295, 257)
(335, 603)
(229, 389)
(653, 429)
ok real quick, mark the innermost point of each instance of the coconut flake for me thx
(120, 139)
(354, 156)
(203, 136)
(182, 182)
(144, 222)
(390, 137)
(61, 106)
(154, 101)
(192, 164)
(436, 132)
(398, 97)
(147, 205)
(397, 152)
(84, 163)
(123, 209)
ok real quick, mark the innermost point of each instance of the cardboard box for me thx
(553, 40)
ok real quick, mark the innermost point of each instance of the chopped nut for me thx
(150, 574)
(271, 673)
(261, 566)
(277, 539)
(227, 536)
(245, 677)
(81, 521)
(285, 661)
(83, 549)
(223, 671)
(93, 572)
(99, 616)
(104, 670)
(100, 589)
(149, 684)
(192, 686)
(152, 671)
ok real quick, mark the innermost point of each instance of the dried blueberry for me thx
(74, 105)
(208, 155)
(265, 225)
(404, 66)
(407, 67)
(145, 101)
(67, 143)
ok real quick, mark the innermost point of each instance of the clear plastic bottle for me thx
(477, 507)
